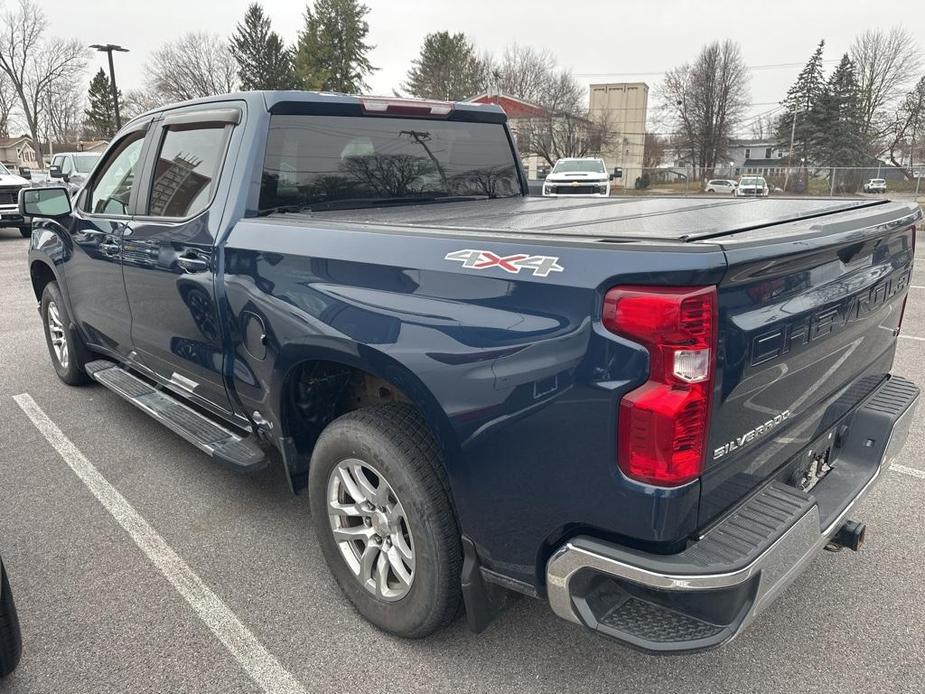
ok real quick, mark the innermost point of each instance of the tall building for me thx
(624, 105)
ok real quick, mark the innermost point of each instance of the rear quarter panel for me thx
(513, 371)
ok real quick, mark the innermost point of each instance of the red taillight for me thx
(663, 423)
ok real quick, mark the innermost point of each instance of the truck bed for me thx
(614, 219)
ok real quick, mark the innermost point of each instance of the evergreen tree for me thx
(800, 100)
(331, 53)
(447, 68)
(264, 61)
(836, 123)
(100, 121)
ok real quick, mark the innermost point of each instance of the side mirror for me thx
(44, 202)
(611, 177)
(55, 172)
(617, 172)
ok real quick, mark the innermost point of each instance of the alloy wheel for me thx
(56, 334)
(371, 529)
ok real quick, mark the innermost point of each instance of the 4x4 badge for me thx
(541, 265)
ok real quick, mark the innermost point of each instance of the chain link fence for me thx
(820, 181)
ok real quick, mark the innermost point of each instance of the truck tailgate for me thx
(808, 317)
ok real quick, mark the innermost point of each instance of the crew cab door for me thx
(93, 271)
(169, 264)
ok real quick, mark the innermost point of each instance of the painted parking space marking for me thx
(250, 654)
(912, 337)
(908, 471)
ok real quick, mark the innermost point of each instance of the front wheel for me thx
(383, 518)
(67, 350)
(25, 232)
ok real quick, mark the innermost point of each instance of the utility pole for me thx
(793, 132)
(108, 48)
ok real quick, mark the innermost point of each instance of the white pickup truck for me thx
(9, 196)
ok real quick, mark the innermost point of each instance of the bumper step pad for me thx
(239, 452)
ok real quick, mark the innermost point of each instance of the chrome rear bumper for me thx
(763, 569)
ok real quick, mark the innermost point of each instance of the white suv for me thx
(579, 177)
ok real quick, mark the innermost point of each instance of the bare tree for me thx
(763, 127)
(907, 134)
(653, 152)
(138, 101)
(705, 101)
(565, 134)
(64, 111)
(33, 65)
(7, 103)
(193, 66)
(533, 75)
(885, 62)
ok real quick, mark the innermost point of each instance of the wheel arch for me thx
(41, 273)
(357, 374)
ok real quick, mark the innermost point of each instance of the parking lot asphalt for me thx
(98, 615)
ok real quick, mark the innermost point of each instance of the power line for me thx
(772, 66)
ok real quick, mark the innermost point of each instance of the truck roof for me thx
(615, 219)
(330, 103)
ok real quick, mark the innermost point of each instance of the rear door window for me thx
(187, 169)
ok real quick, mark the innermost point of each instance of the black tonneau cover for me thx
(662, 219)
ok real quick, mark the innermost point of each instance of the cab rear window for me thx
(312, 160)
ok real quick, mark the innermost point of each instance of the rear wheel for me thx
(67, 350)
(10, 638)
(382, 516)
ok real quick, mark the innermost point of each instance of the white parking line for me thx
(908, 471)
(912, 337)
(259, 663)
(917, 286)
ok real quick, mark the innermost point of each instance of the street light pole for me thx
(108, 48)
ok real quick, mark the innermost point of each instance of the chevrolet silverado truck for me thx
(650, 413)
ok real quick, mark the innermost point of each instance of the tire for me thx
(26, 232)
(10, 637)
(68, 364)
(392, 445)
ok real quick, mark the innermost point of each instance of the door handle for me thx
(193, 263)
(110, 248)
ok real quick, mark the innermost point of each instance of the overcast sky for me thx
(631, 40)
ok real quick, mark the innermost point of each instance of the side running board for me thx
(239, 452)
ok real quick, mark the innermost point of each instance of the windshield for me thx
(4, 171)
(313, 160)
(579, 165)
(84, 163)
(751, 182)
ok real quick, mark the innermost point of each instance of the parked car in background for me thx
(752, 187)
(10, 185)
(875, 185)
(720, 185)
(10, 637)
(585, 176)
(25, 172)
(73, 167)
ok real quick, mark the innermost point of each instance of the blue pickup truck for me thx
(651, 413)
